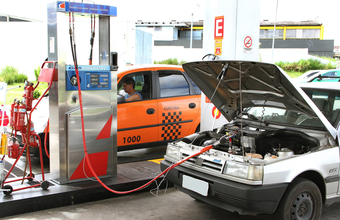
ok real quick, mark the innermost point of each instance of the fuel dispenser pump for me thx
(94, 103)
(98, 82)
(73, 159)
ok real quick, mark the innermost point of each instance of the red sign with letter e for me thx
(219, 26)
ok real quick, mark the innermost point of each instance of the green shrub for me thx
(304, 65)
(37, 73)
(170, 61)
(11, 75)
(21, 78)
(36, 94)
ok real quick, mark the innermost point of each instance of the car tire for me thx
(302, 200)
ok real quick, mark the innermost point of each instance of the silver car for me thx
(278, 155)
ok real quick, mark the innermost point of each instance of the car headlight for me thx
(246, 171)
(173, 152)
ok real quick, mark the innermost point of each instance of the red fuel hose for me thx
(89, 162)
(84, 140)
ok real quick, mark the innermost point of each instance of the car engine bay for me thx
(257, 143)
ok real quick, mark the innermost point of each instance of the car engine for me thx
(230, 138)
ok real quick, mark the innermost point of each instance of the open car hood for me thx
(262, 84)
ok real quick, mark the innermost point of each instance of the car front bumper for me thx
(229, 195)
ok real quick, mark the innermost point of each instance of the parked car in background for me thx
(279, 154)
(319, 76)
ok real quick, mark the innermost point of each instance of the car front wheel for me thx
(302, 200)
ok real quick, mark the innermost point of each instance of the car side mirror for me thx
(120, 99)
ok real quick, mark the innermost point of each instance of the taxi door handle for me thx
(192, 105)
(150, 111)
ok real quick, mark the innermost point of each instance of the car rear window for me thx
(172, 84)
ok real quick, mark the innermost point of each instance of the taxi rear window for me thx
(173, 83)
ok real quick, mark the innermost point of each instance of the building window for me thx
(186, 34)
(268, 33)
(291, 33)
(197, 34)
(311, 33)
(175, 34)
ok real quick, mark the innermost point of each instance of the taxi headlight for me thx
(246, 171)
(173, 152)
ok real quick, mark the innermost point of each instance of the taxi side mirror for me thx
(120, 99)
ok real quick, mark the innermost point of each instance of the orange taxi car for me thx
(169, 108)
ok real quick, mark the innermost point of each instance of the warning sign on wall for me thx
(218, 47)
(247, 44)
(218, 34)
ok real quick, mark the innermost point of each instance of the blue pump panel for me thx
(92, 77)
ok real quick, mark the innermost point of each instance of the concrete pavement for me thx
(145, 206)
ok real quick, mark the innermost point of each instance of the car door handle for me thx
(192, 105)
(150, 111)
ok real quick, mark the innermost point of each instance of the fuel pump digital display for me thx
(91, 77)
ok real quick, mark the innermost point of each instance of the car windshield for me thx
(332, 76)
(278, 115)
(327, 101)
